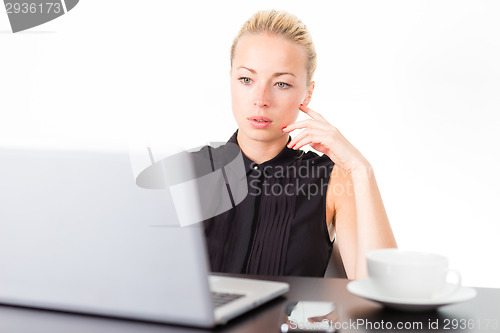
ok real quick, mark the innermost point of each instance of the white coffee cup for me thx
(410, 274)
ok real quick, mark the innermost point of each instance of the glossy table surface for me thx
(355, 314)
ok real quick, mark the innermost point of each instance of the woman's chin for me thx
(262, 135)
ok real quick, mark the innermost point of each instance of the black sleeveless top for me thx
(280, 226)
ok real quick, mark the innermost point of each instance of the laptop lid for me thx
(78, 234)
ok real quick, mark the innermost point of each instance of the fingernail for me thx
(283, 127)
(301, 104)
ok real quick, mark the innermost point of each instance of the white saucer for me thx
(365, 289)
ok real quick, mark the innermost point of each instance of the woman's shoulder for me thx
(314, 167)
(218, 154)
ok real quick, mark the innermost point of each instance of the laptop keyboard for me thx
(219, 299)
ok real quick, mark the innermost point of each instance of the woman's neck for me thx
(261, 151)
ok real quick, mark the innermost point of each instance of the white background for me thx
(414, 85)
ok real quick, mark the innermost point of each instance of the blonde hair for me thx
(280, 23)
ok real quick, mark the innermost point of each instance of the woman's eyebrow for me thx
(253, 71)
(248, 69)
(283, 73)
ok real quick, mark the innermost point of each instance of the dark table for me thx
(481, 314)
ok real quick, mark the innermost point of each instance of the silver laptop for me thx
(78, 234)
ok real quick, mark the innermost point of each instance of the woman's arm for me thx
(353, 197)
(360, 221)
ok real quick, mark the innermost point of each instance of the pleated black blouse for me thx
(280, 226)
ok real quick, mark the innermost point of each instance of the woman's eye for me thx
(282, 85)
(245, 80)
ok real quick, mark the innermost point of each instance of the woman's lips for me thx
(259, 121)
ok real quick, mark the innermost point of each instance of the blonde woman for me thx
(297, 201)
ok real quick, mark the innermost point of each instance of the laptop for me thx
(78, 234)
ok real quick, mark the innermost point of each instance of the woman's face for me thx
(268, 84)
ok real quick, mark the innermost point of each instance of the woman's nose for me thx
(262, 97)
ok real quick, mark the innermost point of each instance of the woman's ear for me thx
(308, 97)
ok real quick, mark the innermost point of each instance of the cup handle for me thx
(458, 284)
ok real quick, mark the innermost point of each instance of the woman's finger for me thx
(297, 138)
(311, 113)
(310, 138)
(308, 123)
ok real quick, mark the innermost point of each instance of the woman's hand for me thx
(361, 223)
(325, 138)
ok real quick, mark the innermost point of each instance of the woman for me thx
(297, 201)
